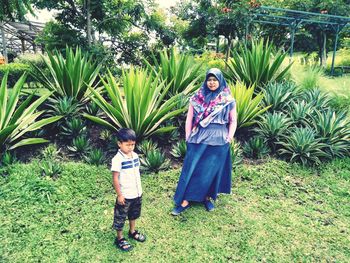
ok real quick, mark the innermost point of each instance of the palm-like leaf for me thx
(334, 131)
(248, 108)
(142, 108)
(71, 75)
(278, 95)
(178, 70)
(301, 145)
(256, 66)
(272, 127)
(16, 120)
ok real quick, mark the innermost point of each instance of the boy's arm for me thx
(116, 185)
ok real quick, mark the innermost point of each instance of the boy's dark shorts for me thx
(132, 209)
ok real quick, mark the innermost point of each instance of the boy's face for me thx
(127, 147)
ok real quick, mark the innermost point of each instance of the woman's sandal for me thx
(137, 236)
(123, 244)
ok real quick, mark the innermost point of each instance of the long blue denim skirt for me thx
(207, 171)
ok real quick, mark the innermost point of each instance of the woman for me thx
(210, 125)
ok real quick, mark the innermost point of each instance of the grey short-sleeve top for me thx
(216, 132)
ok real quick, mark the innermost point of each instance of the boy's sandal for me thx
(137, 236)
(123, 244)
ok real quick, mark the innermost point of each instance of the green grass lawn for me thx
(277, 213)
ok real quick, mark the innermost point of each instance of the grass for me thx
(277, 213)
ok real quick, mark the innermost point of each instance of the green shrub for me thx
(15, 71)
(248, 108)
(302, 146)
(19, 119)
(50, 168)
(210, 59)
(141, 107)
(177, 70)
(70, 76)
(316, 99)
(272, 127)
(334, 131)
(80, 145)
(299, 112)
(179, 149)
(255, 148)
(256, 66)
(154, 161)
(277, 95)
(51, 152)
(95, 157)
(7, 158)
(236, 153)
(147, 146)
(64, 106)
(74, 127)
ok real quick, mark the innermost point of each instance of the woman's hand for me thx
(229, 139)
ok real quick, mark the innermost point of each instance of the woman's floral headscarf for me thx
(206, 103)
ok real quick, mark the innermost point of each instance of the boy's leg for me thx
(132, 224)
(120, 213)
(134, 213)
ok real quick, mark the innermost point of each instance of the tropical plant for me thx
(258, 65)
(278, 95)
(72, 75)
(179, 149)
(248, 108)
(272, 126)
(316, 98)
(7, 158)
(142, 108)
(17, 120)
(74, 127)
(147, 146)
(334, 131)
(95, 157)
(177, 70)
(93, 109)
(255, 148)
(236, 153)
(51, 152)
(50, 168)
(301, 145)
(299, 112)
(105, 135)
(64, 106)
(80, 145)
(154, 161)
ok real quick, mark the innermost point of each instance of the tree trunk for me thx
(3, 37)
(88, 18)
(229, 42)
(323, 55)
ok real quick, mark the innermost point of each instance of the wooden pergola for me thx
(19, 36)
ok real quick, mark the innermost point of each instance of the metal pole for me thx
(335, 49)
(292, 41)
(2, 25)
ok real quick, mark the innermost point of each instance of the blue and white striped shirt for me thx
(129, 174)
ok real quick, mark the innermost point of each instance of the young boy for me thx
(127, 184)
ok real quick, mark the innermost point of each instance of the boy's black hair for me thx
(126, 134)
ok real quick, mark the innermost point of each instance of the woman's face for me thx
(213, 83)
